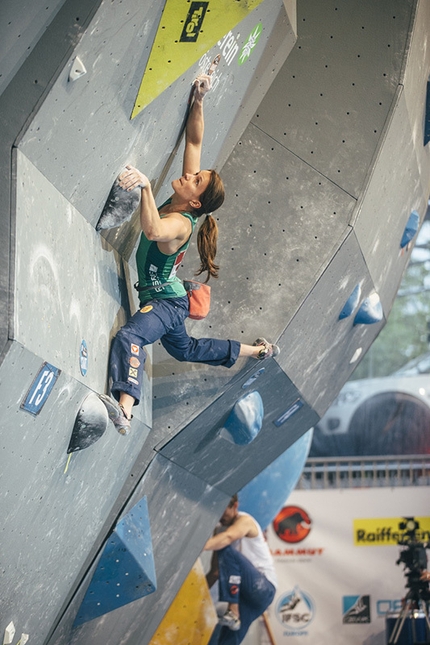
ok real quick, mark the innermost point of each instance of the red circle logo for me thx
(292, 524)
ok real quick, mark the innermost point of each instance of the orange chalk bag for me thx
(199, 297)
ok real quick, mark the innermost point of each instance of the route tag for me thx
(40, 389)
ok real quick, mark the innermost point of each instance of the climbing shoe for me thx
(116, 414)
(230, 620)
(267, 349)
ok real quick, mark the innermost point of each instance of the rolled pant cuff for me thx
(234, 353)
(127, 388)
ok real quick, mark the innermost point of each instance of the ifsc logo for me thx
(295, 610)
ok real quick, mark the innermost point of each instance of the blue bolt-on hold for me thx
(411, 229)
(351, 303)
(125, 571)
(427, 117)
(370, 311)
(245, 420)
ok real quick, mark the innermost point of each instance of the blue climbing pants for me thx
(240, 582)
(161, 320)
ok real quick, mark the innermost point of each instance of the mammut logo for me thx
(193, 22)
(292, 524)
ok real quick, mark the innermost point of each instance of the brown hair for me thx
(207, 237)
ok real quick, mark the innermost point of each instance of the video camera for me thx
(413, 556)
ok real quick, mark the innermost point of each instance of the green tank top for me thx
(156, 268)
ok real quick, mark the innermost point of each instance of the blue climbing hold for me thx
(351, 303)
(411, 229)
(125, 571)
(245, 420)
(370, 311)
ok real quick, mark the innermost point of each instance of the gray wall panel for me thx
(93, 113)
(334, 92)
(52, 519)
(21, 27)
(18, 101)
(172, 494)
(416, 75)
(318, 370)
(279, 227)
(65, 278)
(393, 192)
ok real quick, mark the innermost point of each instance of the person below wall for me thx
(244, 567)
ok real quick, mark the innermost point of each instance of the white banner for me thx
(335, 554)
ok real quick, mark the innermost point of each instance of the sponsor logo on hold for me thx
(295, 610)
(356, 609)
(292, 524)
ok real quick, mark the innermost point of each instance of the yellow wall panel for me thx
(191, 617)
(186, 31)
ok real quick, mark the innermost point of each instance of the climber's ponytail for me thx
(207, 236)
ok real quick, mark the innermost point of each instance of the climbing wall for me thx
(69, 92)
(323, 157)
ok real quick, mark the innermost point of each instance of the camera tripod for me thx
(413, 603)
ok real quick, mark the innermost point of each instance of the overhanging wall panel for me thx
(393, 192)
(416, 76)
(317, 347)
(200, 449)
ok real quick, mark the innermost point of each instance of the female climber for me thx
(165, 237)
